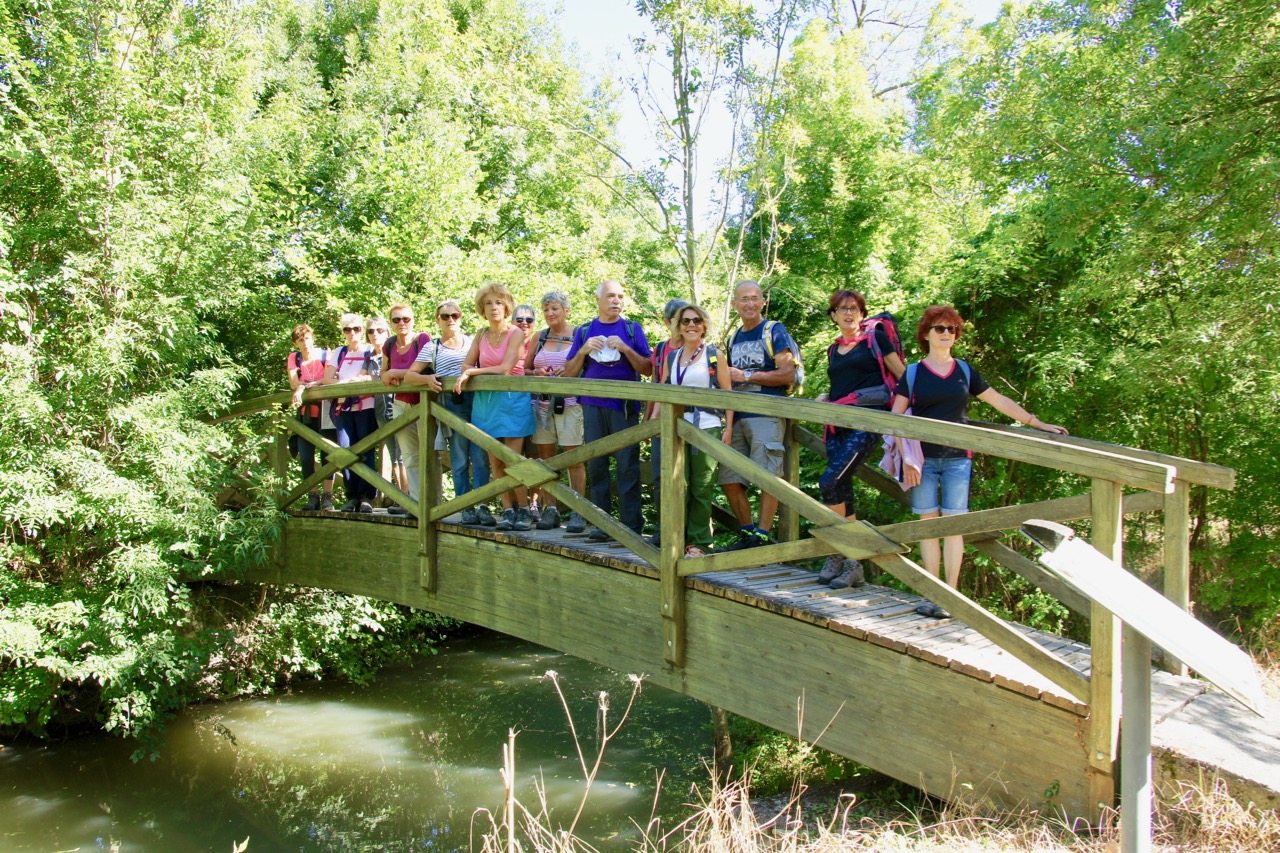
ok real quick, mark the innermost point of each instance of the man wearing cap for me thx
(611, 347)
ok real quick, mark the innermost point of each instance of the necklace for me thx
(687, 362)
(494, 341)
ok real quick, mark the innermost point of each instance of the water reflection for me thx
(403, 764)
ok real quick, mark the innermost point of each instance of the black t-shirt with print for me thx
(942, 398)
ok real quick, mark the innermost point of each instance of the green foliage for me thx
(776, 762)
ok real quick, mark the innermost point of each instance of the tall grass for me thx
(722, 818)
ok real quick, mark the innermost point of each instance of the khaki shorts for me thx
(759, 439)
(566, 428)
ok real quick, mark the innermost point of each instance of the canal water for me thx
(411, 762)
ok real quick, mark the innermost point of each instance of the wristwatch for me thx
(747, 374)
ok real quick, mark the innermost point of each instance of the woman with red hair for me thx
(939, 387)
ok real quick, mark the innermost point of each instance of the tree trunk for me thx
(723, 765)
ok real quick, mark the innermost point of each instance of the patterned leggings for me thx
(846, 450)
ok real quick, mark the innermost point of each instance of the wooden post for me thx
(428, 494)
(1105, 678)
(788, 516)
(672, 524)
(280, 466)
(1135, 759)
(1177, 556)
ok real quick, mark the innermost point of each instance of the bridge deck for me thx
(544, 598)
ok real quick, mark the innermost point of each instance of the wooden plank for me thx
(788, 527)
(428, 494)
(1160, 620)
(1177, 557)
(784, 552)
(1011, 517)
(997, 630)
(532, 473)
(387, 487)
(1191, 470)
(1104, 643)
(672, 524)
(857, 540)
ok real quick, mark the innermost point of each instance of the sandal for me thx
(694, 551)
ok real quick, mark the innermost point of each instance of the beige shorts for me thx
(566, 428)
(760, 440)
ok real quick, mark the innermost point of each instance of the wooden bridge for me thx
(970, 703)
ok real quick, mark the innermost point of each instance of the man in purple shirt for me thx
(611, 347)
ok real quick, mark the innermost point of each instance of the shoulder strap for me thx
(911, 382)
(297, 361)
(968, 374)
(669, 357)
(542, 340)
(767, 334)
(342, 355)
(386, 348)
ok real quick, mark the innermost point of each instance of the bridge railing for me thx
(1157, 482)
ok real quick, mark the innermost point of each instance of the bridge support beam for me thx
(672, 523)
(1104, 675)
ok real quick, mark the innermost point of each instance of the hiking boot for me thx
(484, 517)
(595, 534)
(576, 523)
(396, 509)
(469, 516)
(349, 506)
(751, 537)
(523, 519)
(851, 576)
(508, 520)
(365, 507)
(326, 503)
(535, 512)
(313, 502)
(550, 519)
(831, 569)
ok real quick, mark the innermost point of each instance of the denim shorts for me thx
(951, 477)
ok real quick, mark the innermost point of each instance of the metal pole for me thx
(1135, 744)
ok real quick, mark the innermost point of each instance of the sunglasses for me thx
(945, 330)
(352, 328)
(402, 319)
(524, 320)
(690, 321)
(379, 332)
(454, 316)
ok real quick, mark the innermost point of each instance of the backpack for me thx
(913, 369)
(350, 404)
(885, 322)
(796, 388)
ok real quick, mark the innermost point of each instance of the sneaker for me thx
(484, 517)
(523, 519)
(550, 519)
(396, 509)
(751, 537)
(932, 610)
(576, 523)
(469, 516)
(508, 519)
(326, 503)
(831, 569)
(851, 576)
(595, 534)
(349, 506)
(365, 507)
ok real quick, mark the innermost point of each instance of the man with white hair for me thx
(611, 347)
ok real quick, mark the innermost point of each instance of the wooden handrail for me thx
(1116, 464)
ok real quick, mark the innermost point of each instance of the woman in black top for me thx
(939, 387)
(858, 378)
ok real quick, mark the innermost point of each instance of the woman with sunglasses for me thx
(697, 364)
(353, 416)
(468, 462)
(557, 420)
(939, 387)
(860, 365)
(505, 415)
(401, 355)
(376, 334)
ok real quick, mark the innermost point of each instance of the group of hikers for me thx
(865, 364)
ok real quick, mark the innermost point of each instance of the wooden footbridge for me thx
(970, 703)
